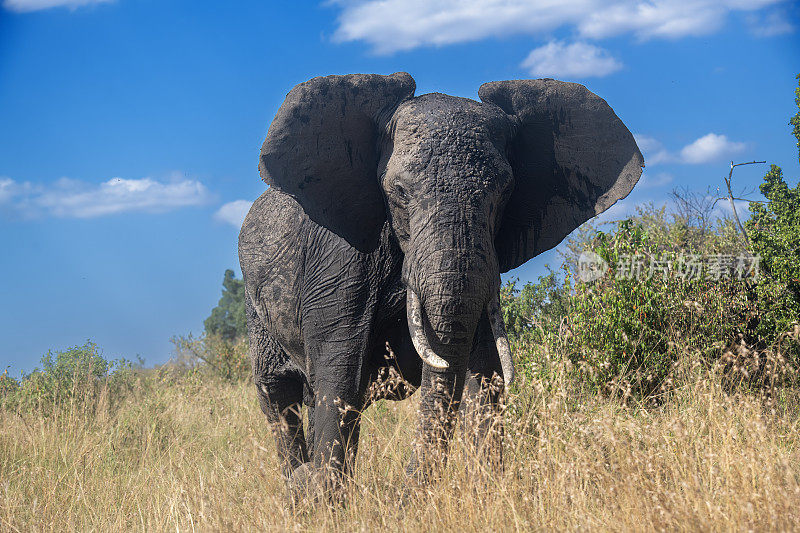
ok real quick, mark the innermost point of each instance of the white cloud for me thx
(665, 19)
(11, 190)
(576, 60)
(6, 189)
(708, 148)
(723, 209)
(68, 198)
(394, 25)
(233, 212)
(653, 151)
(23, 6)
(775, 22)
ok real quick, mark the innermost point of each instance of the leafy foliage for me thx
(77, 375)
(795, 120)
(538, 304)
(228, 320)
(211, 354)
(625, 333)
(774, 230)
(628, 332)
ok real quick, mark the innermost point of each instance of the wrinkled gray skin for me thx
(375, 193)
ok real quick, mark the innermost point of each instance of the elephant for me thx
(387, 222)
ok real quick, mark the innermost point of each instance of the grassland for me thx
(193, 453)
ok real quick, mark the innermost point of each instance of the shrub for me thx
(212, 354)
(628, 331)
(8, 385)
(774, 234)
(78, 375)
(625, 333)
(774, 231)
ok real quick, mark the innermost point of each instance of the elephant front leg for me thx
(335, 413)
(336, 422)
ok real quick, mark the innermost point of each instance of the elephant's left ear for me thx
(322, 149)
(572, 158)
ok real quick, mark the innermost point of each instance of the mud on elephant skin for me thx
(388, 220)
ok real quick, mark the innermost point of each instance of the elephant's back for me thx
(271, 255)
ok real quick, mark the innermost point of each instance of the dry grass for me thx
(194, 455)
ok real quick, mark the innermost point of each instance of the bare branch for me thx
(695, 208)
(738, 199)
(731, 198)
(748, 163)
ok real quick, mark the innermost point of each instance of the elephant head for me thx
(470, 189)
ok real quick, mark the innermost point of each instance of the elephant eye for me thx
(401, 191)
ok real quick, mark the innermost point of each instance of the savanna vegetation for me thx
(662, 394)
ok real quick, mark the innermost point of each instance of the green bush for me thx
(774, 230)
(625, 332)
(212, 354)
(8, 385)
(774, 234)
(628, 331)
(78, 375)
(535, 305)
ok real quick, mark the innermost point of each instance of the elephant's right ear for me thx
(321, 149)
(572, 158)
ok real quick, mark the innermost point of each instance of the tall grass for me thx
(186, 453)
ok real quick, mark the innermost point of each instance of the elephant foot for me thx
(308, 485)
(305, 484)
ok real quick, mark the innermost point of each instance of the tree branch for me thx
(731, 198)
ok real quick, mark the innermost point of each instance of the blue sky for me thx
(129, 129)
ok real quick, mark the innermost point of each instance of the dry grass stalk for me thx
(191, 455)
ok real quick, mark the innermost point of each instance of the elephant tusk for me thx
(417, 330)
(500, 339)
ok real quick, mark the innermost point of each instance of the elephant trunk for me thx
(453, 284)
(428, 355)
(440, 398)
(447, 291)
